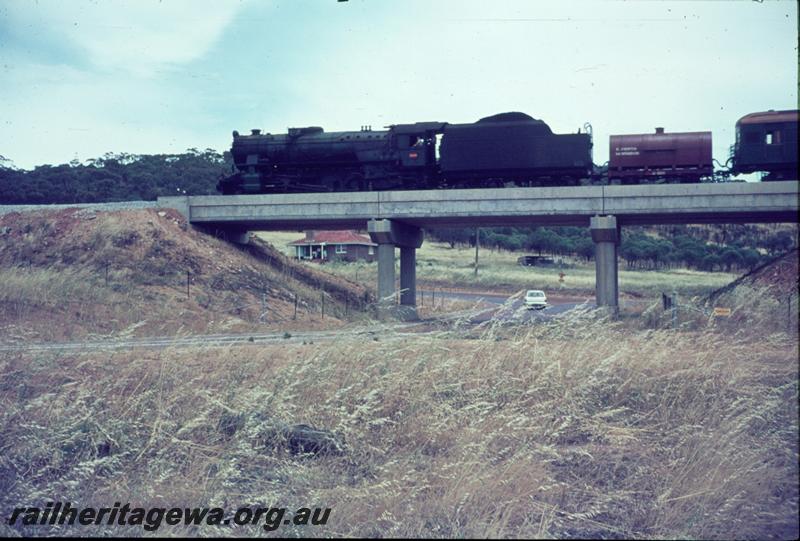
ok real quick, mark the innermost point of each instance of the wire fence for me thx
(729, 312)
(125, 295)
(250, 295)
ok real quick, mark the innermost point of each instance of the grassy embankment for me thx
(575, 428)
(68, 274)
(438, 265)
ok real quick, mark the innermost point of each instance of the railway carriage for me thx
(766, 142)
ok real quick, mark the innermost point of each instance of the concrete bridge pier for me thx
(388, 234)
(386, 275)
(605, 235)
(408, 276)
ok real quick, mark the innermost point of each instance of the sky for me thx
(80, 78)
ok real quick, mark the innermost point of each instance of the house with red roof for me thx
(334, 245)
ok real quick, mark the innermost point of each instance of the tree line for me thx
(641, 247)
(115, 177)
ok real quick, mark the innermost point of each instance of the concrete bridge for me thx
(395, 219)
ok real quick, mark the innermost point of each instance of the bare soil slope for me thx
(778, 277)
(74, 273)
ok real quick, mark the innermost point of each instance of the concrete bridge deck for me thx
(648, 204)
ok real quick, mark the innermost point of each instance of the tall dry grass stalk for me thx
(581, 427)
(46, 286)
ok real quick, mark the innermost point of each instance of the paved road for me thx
(428, 296)
(505, 308)
(515, 311)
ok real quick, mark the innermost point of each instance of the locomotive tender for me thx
(500, 150)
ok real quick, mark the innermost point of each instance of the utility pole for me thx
(477, 243)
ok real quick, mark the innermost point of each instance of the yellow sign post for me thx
(724, 312)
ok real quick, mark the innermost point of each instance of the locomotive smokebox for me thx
(659, 131)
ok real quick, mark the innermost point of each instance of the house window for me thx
(341, 249)
(371, 250)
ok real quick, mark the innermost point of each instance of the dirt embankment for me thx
(779, 277)
(342, 289)
(72, 273)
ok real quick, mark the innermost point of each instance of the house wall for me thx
(355, 252)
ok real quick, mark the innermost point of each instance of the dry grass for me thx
(51, 305)
(67, 275)
(577, 428)
(41, 287)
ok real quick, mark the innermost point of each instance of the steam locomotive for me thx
(500, 150)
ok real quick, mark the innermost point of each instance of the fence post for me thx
(323, 304)
(674, 308)
(188, 274)
(295, 307)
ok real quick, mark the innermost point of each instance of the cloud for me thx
(131, 35)
(91, 77)
(66, 112)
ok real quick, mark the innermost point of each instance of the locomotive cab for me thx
(415, 144)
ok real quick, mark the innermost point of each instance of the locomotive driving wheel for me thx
(355, 183)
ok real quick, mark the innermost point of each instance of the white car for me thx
(535, 299)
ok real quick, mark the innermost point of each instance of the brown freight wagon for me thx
(660, 157)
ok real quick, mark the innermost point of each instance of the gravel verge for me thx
(121, 205)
